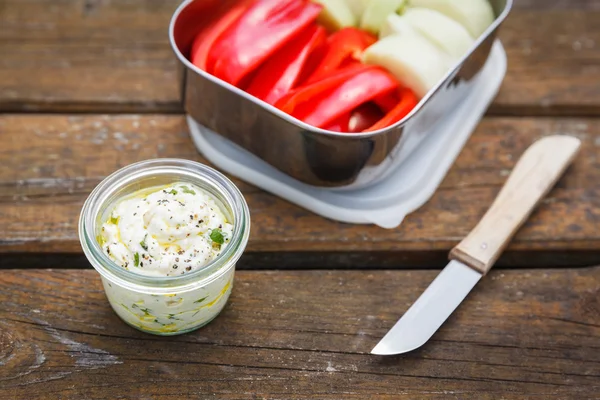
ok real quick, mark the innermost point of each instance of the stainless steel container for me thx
(315, 156)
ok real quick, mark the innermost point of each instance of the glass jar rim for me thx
(197, 173)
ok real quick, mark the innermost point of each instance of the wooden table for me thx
(89, 86)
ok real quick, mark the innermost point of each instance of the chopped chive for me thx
(136, 259)
(146, 311)
(187, 190)
(201, 300)
(143, 243)
(173, 192)
(216, 235)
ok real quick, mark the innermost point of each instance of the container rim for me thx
(303, 125)
(202, 175)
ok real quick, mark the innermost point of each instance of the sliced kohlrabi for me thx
(412, 59)
(358, 7)
(336, 14)
(395, 24)
(377, 11)
(442, 31)
(474, 15)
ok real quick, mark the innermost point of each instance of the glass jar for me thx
(169, 305)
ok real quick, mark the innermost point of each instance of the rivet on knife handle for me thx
(535, 173)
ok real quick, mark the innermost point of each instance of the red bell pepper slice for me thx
(340, 125)
(408, 101)
(357, 90)
(342, 46)
(209, 35)
(364, 117)
(305, 93)
(388, 101)
(358, 120)
(280, 73)
(263, 29)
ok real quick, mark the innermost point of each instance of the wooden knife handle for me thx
(535, 173)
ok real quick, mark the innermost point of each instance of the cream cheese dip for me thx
(165, 231)
(165, 236)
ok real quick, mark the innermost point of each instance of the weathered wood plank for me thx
(100, 56)
(84, 55)
(549, 71)
(299, 335)
(556, 5)
(50, 174)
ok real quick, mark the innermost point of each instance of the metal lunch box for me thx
(312, 155)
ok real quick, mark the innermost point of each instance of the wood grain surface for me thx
(297, 335)
(114, 56)
(55, 161)
(287, 334)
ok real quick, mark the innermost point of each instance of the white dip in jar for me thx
(165, 236)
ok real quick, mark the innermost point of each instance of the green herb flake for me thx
(201, 300)
(216, 235)
(173, 192)
(136, 259)
(187, 190)
(114, 220)
(144, 244)
(146, 311)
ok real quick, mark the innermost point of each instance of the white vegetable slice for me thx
(358, 7)
(336, 14)
(396, 24)
(412, 59)
(475, 15)
(377, 11)
(441, 30)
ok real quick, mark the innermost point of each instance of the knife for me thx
(533, 176)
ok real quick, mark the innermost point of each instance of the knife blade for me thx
(533, 176)
(430, 310)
